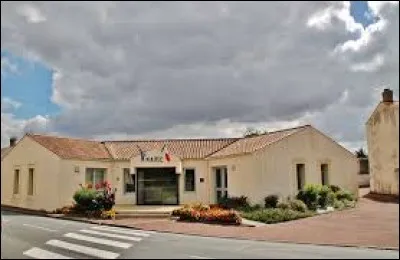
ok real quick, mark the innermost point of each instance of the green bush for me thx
(234, 202)
(344, 195)
(326, 197)
(349, 203)
(275, 215)
(339, 205)
(283, 205)
(334, 188)
(310, 195)
(298, 205)
(271, 201)
(84, 197)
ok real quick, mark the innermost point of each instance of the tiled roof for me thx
(183, 148)
(252, 144)
(5, 151)
(69, 148)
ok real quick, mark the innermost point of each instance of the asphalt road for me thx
(26, 236)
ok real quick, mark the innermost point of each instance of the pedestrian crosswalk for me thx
(85, 242)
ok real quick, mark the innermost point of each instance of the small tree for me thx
(250, 132)
(360, 153)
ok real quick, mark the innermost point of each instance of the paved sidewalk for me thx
(370, 224)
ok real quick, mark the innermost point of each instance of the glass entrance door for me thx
(221, 182)
(157, 186)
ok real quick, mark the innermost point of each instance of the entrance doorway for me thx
(157, 186)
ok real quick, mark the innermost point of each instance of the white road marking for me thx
(38, 253)
(83, 249)
(200, 257)
(93, 232)
(98, 240)
(122, 231)
(39, 227)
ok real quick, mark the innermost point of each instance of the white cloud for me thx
(7, 66)
(207, 68)
(31, 14)
(9, 104)
(372, 65)
(11, 126)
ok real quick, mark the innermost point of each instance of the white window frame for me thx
(93, 181)
(224, 181)
(124, 183)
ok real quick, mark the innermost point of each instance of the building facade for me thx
(383, 145)
(43, 172)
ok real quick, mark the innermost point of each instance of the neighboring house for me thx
(6, 150)
(43, 172)
(383, 145)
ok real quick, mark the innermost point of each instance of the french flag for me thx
(166, 154)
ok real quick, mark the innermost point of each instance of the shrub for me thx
(271, 215)
(309, 195)
(326, 197)
(283, 205)
(234, 202)
(298, 205)
(339, 205)
(271, 201)
(349, 203)
(344, 195)
(84, 197)
(88, 199)
(334, 188)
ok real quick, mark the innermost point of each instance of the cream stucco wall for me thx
(311, 148)
(244, 176)
(29, 154)
(383, 148)
(69, 179)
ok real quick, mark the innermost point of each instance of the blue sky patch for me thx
(30, 86)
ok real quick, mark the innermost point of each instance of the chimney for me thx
(13, 141)
(387, 95)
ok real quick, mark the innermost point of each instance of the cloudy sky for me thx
(118, 70)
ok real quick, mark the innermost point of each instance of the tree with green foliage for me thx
(361, 154)
(250, 132)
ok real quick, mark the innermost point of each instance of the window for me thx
(324, 174)
(221, 182)
(300, 175)
(190, 180)
(129, 181)
(95, 176)
(30, 181)
(16, 181)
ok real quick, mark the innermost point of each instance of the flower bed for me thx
(206, 214)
